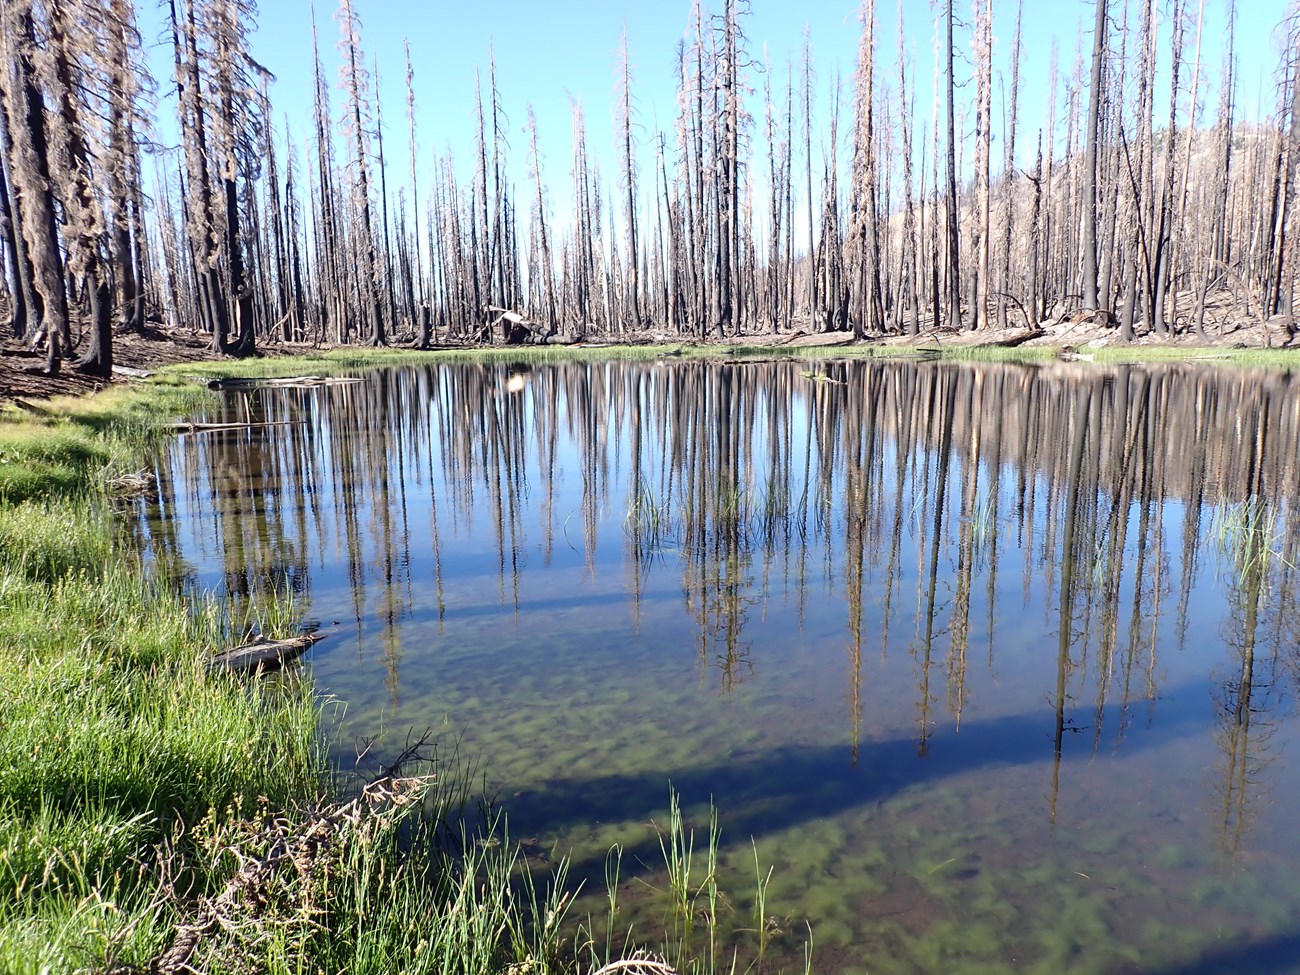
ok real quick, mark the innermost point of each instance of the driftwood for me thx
(263, 654)
(289, 382)
(291, 854)
(1014, 340)
(131, 372)
(186, 427)
(142, 484)
(639, 964)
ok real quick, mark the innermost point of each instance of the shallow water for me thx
(996, 665)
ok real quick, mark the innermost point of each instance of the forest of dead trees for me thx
(873, 215)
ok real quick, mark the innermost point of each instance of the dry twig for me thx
(286, 842)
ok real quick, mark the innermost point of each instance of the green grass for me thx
(1286, 358)
(72, 446)
(391, 891)
(347, 359)
(114, 737)
(697, 925)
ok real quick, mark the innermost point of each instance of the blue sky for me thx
(550, 53)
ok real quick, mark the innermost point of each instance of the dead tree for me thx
(1090, 161)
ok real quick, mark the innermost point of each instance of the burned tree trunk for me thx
(1090, 163)
(30, 175)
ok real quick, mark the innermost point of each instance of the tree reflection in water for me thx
(954, 519)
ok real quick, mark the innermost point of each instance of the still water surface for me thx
(995, 665)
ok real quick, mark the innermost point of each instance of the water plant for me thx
(648, 521)
(696, 927)
(983, 527)
(1248, 535)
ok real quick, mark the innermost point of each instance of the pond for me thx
(993, 665)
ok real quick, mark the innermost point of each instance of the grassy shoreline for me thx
(155, 816)
(344, 358)
(115, 738)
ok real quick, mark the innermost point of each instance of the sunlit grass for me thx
(333, 362)
(71, 447)
(52, 541)
(114, 738)
(38, 459)
(1212, 354)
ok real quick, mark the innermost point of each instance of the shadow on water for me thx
(771, 792)
(1274, 955)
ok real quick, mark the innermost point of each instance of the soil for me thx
(21, 375)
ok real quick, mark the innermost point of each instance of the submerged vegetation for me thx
(154, 815)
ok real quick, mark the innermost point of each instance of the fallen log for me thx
(820, 340)
(131, 372)
(288, 382)
(1014, 340)
(517, 329)
(186, 427)
(263, 654)
(22, 404)
(905, 353)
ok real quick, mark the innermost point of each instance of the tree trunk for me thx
(30, 174)
(1090, 162)
(25, 313)
(954, 246)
